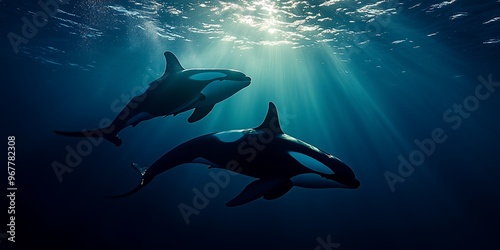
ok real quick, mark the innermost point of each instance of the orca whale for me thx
(177, 91)
(279, 161)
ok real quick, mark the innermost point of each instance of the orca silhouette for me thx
(277, 160)
(177, 91)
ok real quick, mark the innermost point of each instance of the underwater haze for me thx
(407, 93)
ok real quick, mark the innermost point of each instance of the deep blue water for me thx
(361, 80)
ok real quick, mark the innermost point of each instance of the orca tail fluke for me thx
(142, 171)
(96, 133)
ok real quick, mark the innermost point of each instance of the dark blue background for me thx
(367, 117)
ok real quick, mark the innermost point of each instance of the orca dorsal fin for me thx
(272, 121)
(173, 64)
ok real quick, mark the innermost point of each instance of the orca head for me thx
(325, 171)
(343, 174)
(321, 169)
(221, 84)
(228, 76)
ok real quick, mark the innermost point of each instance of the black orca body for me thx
(278, 160)
(177, 91)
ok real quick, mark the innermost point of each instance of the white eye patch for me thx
(206, 76)
(311, 163)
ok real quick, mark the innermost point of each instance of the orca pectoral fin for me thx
(279, 190)
(256, 190)
(189, 104)
(199, 113)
